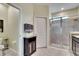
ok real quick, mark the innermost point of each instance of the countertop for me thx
(76, 36)
(30, 37)
(74, 32)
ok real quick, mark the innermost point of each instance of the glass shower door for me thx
(60, 30)
(56, 32)
(66, 28)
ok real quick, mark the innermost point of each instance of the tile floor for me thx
(53, 51)
(9, 52)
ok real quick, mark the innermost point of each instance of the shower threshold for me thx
(60, 46)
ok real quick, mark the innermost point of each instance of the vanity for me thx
(75, 44)
(29, 45)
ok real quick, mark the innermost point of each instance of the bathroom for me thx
(56, 31)
(9, 29)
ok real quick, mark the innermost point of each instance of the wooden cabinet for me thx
(29, 46)
(75, 45)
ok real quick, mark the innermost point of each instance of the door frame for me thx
(19, 35)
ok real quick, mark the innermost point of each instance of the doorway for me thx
(40, 31)
(13, 26)
(10, 33)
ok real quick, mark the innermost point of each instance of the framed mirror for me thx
(1, 25)
(28, 28)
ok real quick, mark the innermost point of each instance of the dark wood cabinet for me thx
(29, 46)
(75, 45)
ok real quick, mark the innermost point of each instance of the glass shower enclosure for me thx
(60, 28)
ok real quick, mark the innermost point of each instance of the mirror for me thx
(28, 28)
(1, 25)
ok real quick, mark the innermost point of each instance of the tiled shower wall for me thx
(60, 34)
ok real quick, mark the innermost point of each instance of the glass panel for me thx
(60, 29)
(66, 28)
(56, 32)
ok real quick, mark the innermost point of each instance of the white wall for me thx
(26, 14)
(27, 17)
(41, 10)
(13, 27)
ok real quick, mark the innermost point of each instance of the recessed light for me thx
(62, 8)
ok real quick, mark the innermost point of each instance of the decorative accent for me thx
(28, 28)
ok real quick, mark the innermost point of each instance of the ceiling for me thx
(56, 7)
(53, 7)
